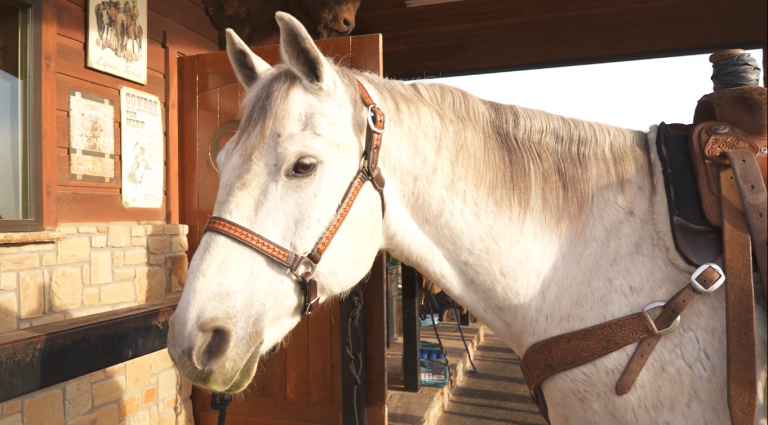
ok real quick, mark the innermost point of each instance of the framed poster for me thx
(117, 38)
(141, 144)
(91, 138)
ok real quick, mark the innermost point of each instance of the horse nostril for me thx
(346, 23)
(215, 344)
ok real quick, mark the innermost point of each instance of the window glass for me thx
(14, 149)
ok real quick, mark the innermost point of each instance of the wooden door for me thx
(302, 382)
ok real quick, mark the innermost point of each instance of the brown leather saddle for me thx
(692, 156)
(715, 180)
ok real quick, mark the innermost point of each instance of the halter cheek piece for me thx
(302, 267)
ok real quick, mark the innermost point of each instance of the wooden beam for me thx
(172, 134)
(411, 329)
(480, 36)
(43, 356)
(48, 117)
(374, 304)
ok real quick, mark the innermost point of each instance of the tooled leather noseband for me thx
(302, 267)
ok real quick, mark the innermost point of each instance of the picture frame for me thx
(117, 38)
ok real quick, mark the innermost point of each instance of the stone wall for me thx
(96, 268)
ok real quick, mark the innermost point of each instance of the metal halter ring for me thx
(305, 265)
(701, 270)
(370, 118)
(671, 328)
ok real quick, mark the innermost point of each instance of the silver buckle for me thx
(371, 125)
(671, 327)
(698, 273)
(305, 265)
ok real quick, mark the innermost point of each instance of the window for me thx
(19, 118)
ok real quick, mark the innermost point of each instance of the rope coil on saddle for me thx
(736, 70)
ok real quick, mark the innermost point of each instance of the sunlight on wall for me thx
(632, 94)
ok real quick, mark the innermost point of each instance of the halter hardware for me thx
(302, 267)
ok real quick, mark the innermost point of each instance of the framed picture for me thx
(91, 138)
(117, 38)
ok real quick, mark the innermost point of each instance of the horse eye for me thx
(303, 167)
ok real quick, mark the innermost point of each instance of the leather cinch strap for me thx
(672, 310)
(302, 267)
(739, 305)
(563, 352)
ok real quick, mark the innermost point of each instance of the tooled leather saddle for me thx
(691, 157)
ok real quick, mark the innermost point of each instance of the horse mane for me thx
(525, 158)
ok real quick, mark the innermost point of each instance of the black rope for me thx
(220, 401)
(735, 71)
(356, 357)
(439, 341)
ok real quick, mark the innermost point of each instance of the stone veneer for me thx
(97, 268)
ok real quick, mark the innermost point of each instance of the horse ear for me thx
(248, 66)
(300, 53)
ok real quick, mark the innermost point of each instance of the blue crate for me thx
(434, 368)
(428, 320)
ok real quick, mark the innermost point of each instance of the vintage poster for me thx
(141, 149)
(91, 138)
(117, 38)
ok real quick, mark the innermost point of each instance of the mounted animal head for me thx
(283, 176)
(254, 21)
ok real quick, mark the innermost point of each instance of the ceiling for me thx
(479, 36)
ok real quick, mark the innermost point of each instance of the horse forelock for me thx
(267, 103)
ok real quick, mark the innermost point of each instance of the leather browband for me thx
(369, 171)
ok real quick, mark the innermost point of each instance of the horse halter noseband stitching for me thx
(302, 267)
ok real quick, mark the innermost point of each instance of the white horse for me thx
(538, 224)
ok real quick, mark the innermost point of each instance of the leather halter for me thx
(302, 267)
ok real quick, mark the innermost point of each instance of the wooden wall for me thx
(174, 28)
(478, 36)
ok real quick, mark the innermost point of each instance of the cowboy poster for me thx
(141, 147)
(117, 38)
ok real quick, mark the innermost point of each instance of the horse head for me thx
(283, 175)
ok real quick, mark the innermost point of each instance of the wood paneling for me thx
(169, 21)
(70, 57)
(48, 116)
(187, 15)
(171, 33)
(470, 37)
(172, 135)
(88, 206)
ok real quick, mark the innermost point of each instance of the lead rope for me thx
(353, 321)
(220, 401)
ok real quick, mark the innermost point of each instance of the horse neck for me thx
(532, 272)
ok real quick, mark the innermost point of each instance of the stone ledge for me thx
(30, 237)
